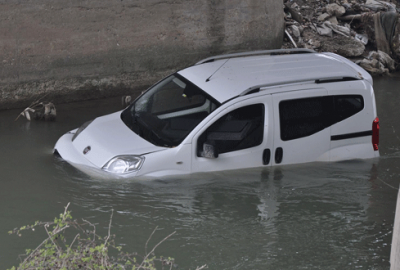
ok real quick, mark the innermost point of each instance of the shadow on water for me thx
(311, 216)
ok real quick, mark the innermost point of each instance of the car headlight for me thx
(124, 164)
(81, 128)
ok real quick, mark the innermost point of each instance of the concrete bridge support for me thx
(81, 49)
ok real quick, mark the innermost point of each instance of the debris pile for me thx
(39, 111)
(126, 101)
(366, 31)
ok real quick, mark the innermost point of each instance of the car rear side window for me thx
(346, 106)
(303, 117)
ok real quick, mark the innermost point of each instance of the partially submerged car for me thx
(234, 111)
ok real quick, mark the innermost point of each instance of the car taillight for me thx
(375, 134)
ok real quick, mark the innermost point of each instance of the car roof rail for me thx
(257, 88)
(253, 53)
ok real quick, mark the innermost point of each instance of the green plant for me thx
(87, 250)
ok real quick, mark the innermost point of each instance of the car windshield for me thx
(166, 113)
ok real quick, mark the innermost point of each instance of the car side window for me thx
(346, 106)
(239, 129)
(303, 117)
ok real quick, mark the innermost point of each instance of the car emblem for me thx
(86, 150)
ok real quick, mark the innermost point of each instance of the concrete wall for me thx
(81, 49)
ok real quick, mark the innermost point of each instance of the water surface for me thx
(311, 216)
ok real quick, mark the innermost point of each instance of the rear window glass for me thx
(346, 106)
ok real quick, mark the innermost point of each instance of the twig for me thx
(51, 237)
(291, 39)
(29, 109)
(37, 101)
(388, 184)
(154, 248)
(70, 246)
(94, 228)
(109, 228)
(45, 240)
(145, 247)
(65, 209)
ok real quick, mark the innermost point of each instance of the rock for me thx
(324, 31)
(333, 20)
(373, 66)
(295, 31)
(373, 55)
(347, 47)
(314, 43)
(351, 49)
(342, 30)
(301, 29)
(323, 17)
(383, 58)
(362, 38)
(335, 10)
(346, 6)
(295, 6)
(294, 13)
(300, 43)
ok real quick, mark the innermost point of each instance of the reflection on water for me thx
(312, 216)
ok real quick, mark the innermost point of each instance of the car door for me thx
(241, 134)
(301, 121)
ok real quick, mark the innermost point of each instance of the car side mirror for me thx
(209, 151)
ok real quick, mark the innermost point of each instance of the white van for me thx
(254, 109)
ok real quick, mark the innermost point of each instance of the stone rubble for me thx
(365, 31)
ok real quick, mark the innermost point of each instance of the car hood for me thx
(107, 137)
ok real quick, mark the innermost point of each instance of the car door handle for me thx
(278, 155)
(266, 156)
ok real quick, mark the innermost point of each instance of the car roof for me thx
(227, 76)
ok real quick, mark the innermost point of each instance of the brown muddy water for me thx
(312, 216)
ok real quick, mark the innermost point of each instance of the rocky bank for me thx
(365, 31)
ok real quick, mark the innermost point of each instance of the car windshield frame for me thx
(168, 111)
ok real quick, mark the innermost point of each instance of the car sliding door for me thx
(241, 136)
(302, 132)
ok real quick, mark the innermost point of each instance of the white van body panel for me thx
(245, 158)
(232, 82)
(108, 137)
(171, 161)
(241, 73)
(307, 149)
(365, 75)
(361, 122)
